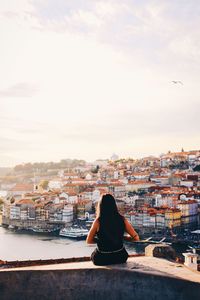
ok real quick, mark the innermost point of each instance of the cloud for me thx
(97, 77)
(22, 89)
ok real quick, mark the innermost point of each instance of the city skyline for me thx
(86, 79)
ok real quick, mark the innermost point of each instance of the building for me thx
(55, 184)
(172, 217)
(70, 175)
(27, 209)
(6, 211)
(19, 190)
(41, 214)
(15, 212)
(188, 208)
(117, 189)
(135, 186)
(164, 200)
(83, 206)
(160, 219)
(154, 218)
(68, 213)
(160, 180)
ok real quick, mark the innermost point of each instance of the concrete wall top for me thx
(140, 278)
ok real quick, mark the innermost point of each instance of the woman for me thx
(109, 226)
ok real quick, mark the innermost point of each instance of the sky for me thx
(88, 78)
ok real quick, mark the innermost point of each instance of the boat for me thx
(196, 231)
(74, 232)
(195, 248)
(43, 230)
(11, 227)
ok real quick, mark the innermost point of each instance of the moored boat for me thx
(11, 227)
(44, 230)
(74, 232)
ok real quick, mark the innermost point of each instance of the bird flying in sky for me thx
(177, 82)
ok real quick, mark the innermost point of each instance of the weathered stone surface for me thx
(139, 279)
(113, 283)
(160, 250)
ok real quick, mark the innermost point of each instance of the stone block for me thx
(161, 251)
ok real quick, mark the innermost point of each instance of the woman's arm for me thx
(131, 231)
(92, 232)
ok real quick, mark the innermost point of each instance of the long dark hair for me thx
(107, 207)
(111, 221)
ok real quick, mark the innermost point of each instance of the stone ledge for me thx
(139, 263)
(135, 280)
(160, 250)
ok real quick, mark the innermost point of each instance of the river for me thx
(25, 246)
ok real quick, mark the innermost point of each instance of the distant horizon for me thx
(99, 158)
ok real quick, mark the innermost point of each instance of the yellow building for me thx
(82, 207)
(172, 217)
(184, 208)
(136, 185)
(41, 213)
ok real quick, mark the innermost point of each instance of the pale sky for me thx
(85, 78)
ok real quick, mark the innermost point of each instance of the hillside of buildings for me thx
(156, 194)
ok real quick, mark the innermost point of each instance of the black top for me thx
(110, 234)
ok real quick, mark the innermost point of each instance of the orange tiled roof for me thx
(25, 201)
(139, 182)
(187, 202)
(71, 194)
(20, 187)
(85, 201)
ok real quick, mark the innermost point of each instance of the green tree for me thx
(1, 204)
(44, 184)
(12, 200)
(95, 170)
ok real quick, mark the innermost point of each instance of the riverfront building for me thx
(154, 193)
(68, 213)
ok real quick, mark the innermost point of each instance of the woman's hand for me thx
(131, 239)
(133, 236)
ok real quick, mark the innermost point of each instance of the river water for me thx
(25, 246)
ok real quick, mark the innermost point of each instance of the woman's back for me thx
(110, 233)
(109, 226)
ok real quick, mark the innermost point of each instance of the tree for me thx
(44, 184)
(95, 170)
(1, 203)
(12, 200)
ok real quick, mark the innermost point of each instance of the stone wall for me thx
(95, 284)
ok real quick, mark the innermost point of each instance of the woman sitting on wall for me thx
(109, 226)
